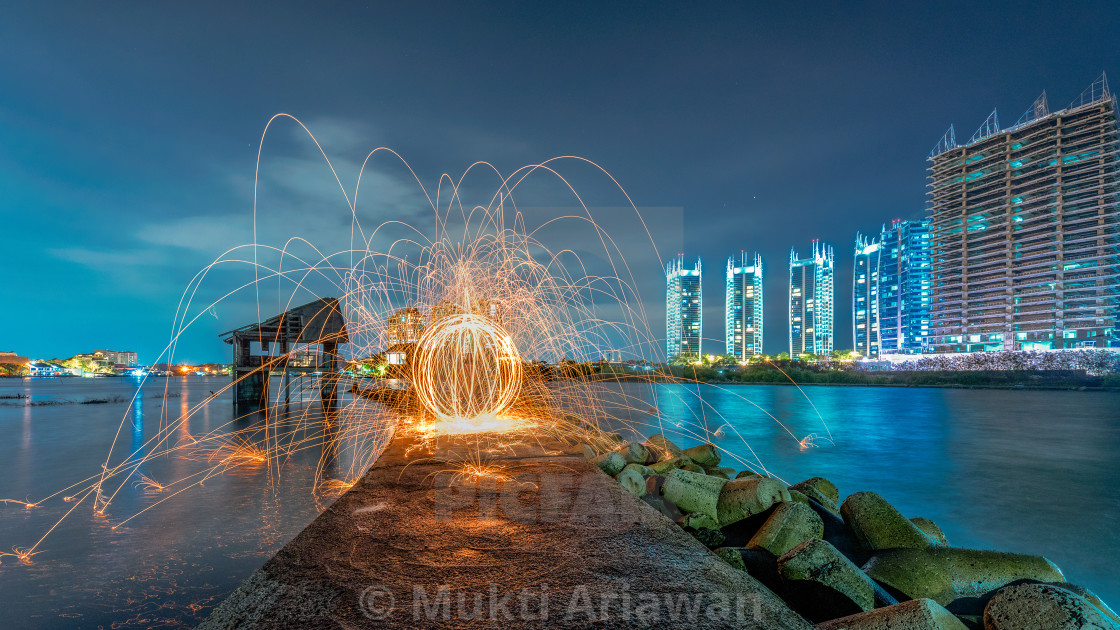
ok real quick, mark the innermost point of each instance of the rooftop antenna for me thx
(988, 129)
(948, 141)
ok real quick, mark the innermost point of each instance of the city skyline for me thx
(125, 175)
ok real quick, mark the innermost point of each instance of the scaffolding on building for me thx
(1026, 231)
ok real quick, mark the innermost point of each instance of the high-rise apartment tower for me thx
(743, 310)
(865, 296)
(1026, 231)
(891, 290)
(684, 306)
(811, 301)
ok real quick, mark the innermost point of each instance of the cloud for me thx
(299, 197)
(337, 135)
(204, 234)
(140, 271)
(105, 259)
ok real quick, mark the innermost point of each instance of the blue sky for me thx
(129, 132)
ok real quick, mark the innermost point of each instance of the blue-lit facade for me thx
(811, 307)
(891, 290)
(865, 296)
(743, 310)
(684, 307)
(905, 278)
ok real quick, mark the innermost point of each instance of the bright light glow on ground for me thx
(500, 423)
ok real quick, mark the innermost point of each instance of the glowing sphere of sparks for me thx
(466, 367)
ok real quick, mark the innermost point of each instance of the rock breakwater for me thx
(856, 563)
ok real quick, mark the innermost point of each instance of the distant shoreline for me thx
(1075, 388)
(1037, 380)
(1080, 382)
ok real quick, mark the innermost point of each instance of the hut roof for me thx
(320, 321)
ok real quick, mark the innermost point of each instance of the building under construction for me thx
(1026, 231)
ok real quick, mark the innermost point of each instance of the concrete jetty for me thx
(541, 538)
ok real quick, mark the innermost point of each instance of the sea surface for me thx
(1013, 470)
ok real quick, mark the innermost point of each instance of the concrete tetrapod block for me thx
(746, 474)
(759, 563)
(706, 455)
(720, 471)
(664, 466)
(931, 529)
(636, 453)
(821, 489)
(710, 538)
(611, 462)
(697, 520)
(661, 443)
(790, 525)
(794, 495)
(582, 449)
(669, 511)
(1042, 607)
(745, 497)
(1093, 599)
(693, 467)
(632, 481)
(740, 532)
(944, 574)
(644, 471)
(876, 524)
(916, 614)
(693, 492)
(837, 534)
(732, 556)
(822, 584)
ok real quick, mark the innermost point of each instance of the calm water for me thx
(1024, 471)
(169, 566)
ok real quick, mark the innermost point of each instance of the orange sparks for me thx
(488, 324)
(473, 473)
(147, 484)
(23, 555)
(25, 504)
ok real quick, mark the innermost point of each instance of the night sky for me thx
(129, 131)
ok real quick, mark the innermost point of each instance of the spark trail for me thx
(508, 346)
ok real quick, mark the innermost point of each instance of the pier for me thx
(540, 538)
